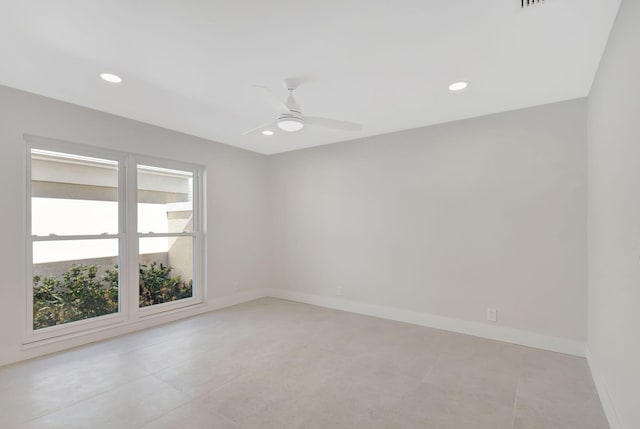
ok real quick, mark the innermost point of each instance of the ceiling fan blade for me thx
(273, 98)
(258, 128)
(332, 123)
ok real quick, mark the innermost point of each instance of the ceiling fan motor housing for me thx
(290, 122)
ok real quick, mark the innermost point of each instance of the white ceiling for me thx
(188, 65)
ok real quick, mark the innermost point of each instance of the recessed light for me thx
(458, 86)
(111, 78)
(267, 133)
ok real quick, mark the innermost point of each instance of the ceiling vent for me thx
(526, 3)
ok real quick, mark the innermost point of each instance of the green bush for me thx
(157, 285)
(81, 294)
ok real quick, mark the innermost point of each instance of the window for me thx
(111, 237)
(165, 234)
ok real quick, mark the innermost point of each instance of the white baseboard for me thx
(237, 298)
(603, 393)
(493, 332)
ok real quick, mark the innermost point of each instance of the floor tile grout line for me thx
(515, 405)
(515, 400)
(158, 417)
(94, 395)
(438, 359)
(103, 342)
(190, 398)
(51, 356)
(230, 420)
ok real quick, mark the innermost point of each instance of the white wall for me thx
(446, 220)
(236, 194)
(614, 221)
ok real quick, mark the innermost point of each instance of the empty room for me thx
(334, 214)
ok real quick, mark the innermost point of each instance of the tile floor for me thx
(278, 364)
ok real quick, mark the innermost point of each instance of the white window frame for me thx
(128, 236)
(196, 234)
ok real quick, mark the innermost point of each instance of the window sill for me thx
(195, 308)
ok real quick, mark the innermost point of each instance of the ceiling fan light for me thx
(290, 125)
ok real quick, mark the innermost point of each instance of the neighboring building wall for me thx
(180, 254)
(55, 269)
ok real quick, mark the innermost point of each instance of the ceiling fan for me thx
(291, 118)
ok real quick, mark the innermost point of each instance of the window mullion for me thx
(35, 238)
(132, 237)
(166, 234)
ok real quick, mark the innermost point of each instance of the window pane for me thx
(166, 269)
(165, 200)
(73, 195)
(74, 280)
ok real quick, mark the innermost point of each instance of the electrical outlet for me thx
(339, 291)
(492, 315)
